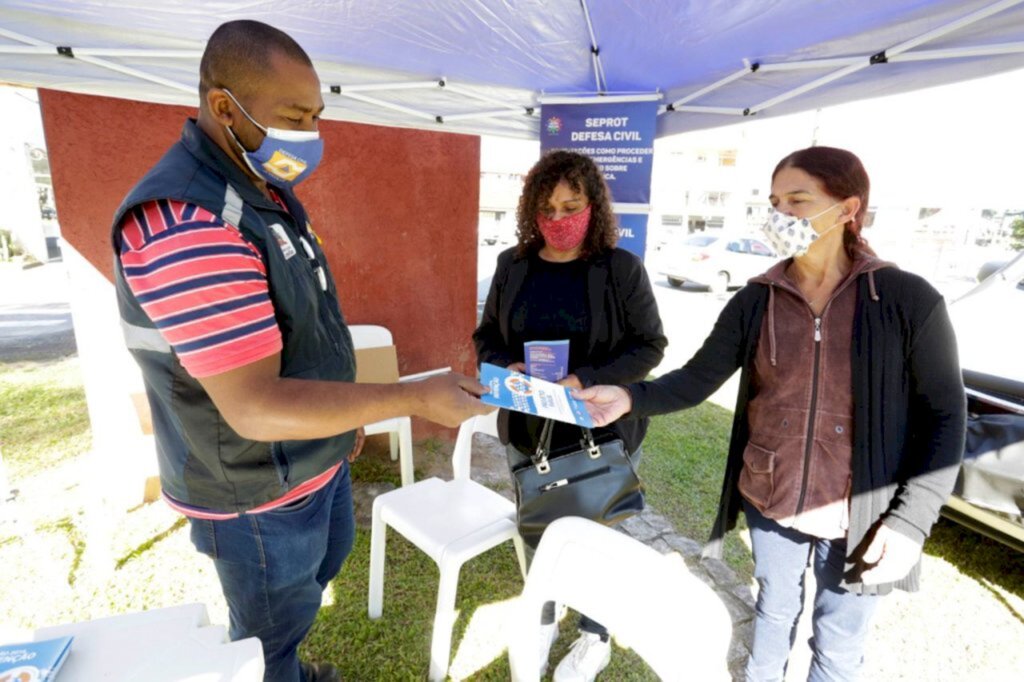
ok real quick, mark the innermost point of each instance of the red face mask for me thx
(564, 234)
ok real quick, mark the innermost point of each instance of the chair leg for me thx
(444, 619)
(405, 451)
(393, 445)
(517, 540)
(378, 537)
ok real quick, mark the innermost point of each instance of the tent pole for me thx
(971, 18)
(889, 53)
(466, 92)
(595, 51)
(103, 64)
(959, 52)
(400, 85)
(747, 68)
(388, 105)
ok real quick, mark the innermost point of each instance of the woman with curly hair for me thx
(565, 279)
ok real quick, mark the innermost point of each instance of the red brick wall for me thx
(396, 209)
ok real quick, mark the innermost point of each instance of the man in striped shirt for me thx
(229, 308)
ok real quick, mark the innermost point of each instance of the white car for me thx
(716, 261)
(989, 496)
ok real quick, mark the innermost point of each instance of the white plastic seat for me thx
(162, 645)
(649, 602)
(451, 522)
(399, 429)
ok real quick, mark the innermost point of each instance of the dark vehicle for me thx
(989, 495)
(48, 213)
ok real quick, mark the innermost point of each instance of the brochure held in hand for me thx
(547, 360)
(33, 661)
(516, 391)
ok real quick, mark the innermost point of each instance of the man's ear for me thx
(219, 106)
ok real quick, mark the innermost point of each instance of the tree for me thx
(1017, 234)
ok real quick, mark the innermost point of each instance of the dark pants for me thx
(274, 567)
(515, 460)
(840, 619)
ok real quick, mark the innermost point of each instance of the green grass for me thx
(43, 417)
(44, 423)
(682, 469)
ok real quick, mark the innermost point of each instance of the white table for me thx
(163, 645)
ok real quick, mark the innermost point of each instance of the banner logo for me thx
(554, 125)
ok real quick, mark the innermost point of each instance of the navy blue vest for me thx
(203, 462)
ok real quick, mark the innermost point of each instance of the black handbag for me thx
(594, 480)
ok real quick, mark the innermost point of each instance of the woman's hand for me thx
(605, 403)
(517, 367)
(357, 448)
(890, 556)
(570, 381)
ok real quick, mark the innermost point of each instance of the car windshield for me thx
(700, 240)
(987, 319)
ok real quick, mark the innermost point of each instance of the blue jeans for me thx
(274, 567)
(840, 619)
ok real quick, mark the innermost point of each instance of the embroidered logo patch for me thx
(284, 242)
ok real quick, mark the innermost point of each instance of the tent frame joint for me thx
(879, 58)
(65, 51)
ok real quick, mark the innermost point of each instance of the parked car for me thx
(48, 213)
(716, 261)
(989, 495)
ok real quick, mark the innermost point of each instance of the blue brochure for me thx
(33, 661)
(547, 360)
(519, 392)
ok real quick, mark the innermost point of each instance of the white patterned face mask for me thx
(792, 236)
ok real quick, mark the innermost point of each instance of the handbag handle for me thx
(540, 457)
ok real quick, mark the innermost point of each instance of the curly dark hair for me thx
(583, 175)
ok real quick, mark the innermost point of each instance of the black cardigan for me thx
(909, 407)
(626, 339)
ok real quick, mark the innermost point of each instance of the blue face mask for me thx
(285, 157)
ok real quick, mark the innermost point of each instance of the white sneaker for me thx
(548, 635)
(587, 657)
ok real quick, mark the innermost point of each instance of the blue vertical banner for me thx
(619, 136)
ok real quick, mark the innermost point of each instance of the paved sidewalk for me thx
(489, 468)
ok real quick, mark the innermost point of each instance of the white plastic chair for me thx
(399, 429)
(452, 522)
(162, 645)
(650, 602)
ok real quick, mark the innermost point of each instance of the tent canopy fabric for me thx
(485, 66)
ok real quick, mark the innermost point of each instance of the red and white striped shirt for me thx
(205, 288)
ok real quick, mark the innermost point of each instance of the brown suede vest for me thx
(796, 467)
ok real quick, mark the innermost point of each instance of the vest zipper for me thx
(810, 416)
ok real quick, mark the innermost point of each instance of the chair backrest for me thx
(462, 454)
(369, 335)
(650, 602)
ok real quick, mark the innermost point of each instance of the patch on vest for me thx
(283, 240)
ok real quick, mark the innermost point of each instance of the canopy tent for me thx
(485, 66)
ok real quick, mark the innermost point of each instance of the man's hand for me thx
(449, 399)
(890, 556)
(605, 403)
(571, 381)
(357, 448)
